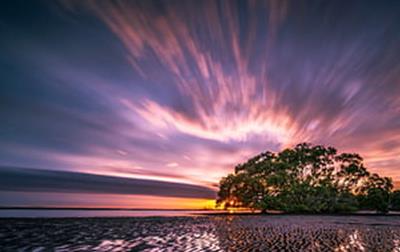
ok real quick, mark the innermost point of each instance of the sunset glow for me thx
(176, 93)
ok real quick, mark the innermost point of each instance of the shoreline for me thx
(190, 214)
(306, 214)
(212, 211)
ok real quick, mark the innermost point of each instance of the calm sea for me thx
(58, 213)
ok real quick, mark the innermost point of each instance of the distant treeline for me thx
(307, 179)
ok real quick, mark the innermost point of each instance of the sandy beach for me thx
(202, 233)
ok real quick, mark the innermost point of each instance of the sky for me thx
(147, 104)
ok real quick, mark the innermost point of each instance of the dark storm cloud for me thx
(33, 180)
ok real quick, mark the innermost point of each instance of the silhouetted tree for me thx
(305, 178)
(395, 200)
(378, 193)
(377, 199)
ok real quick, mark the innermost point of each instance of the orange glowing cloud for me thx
(85, 200)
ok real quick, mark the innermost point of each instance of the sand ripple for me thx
(203, 233)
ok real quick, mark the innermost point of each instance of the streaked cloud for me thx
(34, 180)
(181, 91)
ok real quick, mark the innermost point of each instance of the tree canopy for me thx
(306, 179)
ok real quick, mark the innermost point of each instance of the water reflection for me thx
(354, 242)
(57, 213)
(309, 233)
(203, 233)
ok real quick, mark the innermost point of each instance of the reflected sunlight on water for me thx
(203, 233)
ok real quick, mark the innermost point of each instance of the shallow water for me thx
(72, 213)
(203, 233)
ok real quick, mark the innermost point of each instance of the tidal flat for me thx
(203, 233)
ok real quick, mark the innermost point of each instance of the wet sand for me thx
(203, 233)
